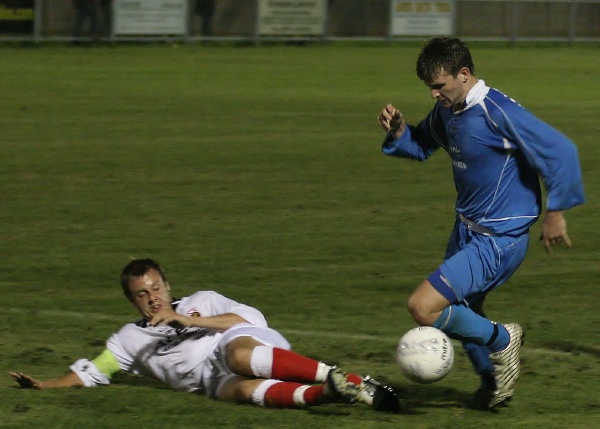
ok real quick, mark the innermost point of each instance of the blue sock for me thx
(462, 323)
(480, 358)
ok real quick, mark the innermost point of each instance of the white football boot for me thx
(507, 368)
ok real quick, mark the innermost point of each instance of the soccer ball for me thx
(425, 355)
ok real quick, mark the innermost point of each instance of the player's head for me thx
(137, 268)
(440, 55)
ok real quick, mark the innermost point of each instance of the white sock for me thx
(258, 396)
(261, 361)
(322, 371)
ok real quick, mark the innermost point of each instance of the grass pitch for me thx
(256, 172)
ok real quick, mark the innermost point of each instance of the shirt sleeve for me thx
(210, 303)
(125, 346)
(551, 153)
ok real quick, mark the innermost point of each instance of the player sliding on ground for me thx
(207, 343)
(498, 151)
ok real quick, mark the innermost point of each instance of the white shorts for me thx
(217, 373)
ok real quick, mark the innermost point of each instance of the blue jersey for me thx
(498, 151)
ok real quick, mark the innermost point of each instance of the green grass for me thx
(256, 171)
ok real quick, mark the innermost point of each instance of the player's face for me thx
(449, 90)
(150, 293)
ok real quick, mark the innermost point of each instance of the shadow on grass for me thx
(126, 379)
(415, 400)
(419, 397)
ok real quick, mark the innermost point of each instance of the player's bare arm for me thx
(554, 230)
(220, 323)
(391, 120)
(69, 380)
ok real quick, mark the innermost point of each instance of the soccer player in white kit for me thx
(207, 343)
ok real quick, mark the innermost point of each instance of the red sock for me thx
(290, 366)
(281, 395)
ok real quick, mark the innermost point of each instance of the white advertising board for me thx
(150, 17)
(292, 17)
(422, 17)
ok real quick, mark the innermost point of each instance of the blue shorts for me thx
(475, 264)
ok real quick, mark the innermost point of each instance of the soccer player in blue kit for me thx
(498, 151)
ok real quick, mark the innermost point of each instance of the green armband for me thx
(107, 363)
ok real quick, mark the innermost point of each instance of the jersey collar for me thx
(475, 95)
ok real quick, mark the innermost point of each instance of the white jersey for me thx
(181, 358)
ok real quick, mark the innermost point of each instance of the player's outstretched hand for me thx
(554, 230)
(25, 381)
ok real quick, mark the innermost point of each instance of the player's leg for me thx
(289, 371)
(462, 323)
(478, 354)
(498, 387)
(251, 354)
(480, 357)
(264, 353)
(272, 393)
(482, 264)
(248, 356)
(282, 373)
(474, 265)
(463, 274)
(429, 307)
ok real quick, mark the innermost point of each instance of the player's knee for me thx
(420, 312)
(238, 390)
(238, 360)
